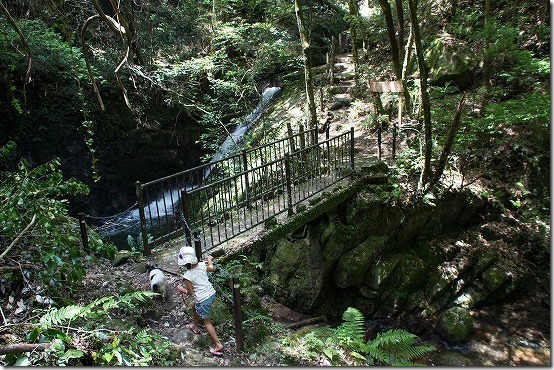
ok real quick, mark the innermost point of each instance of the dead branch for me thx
(23, 347)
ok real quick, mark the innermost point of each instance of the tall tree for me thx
(423, 76)
(353, 11)
(307, 57)
(394, 44)
(486, 56)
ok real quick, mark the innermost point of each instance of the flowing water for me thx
(117, 228)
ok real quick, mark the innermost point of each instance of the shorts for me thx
(204, 308)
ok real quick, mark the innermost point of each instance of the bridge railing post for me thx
(352, 149)
(186, 213)
(289, 184)
(245, 170)
(140, 203)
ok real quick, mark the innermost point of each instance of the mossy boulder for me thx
(381, 270)
(455, 325)
(353, 266)
(494, 277)
(450, 61)
(296, 274)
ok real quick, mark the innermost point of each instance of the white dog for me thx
(158, 280)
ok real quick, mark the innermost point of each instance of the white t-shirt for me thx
(198, 277)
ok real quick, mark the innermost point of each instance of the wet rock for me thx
(455, 325)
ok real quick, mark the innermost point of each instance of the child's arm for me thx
(210, 266)
(182, 289)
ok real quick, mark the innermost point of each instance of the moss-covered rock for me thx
(353, 266)
(494, 277)
(381, 270)
(455, 325)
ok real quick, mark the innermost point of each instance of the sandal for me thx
(215, 352)
(193, 328)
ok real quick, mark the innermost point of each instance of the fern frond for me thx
(352, 329)
(396, 347)
(58, 316)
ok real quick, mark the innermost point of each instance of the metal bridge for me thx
(220, 200)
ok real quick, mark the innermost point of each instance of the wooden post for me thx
(396, 127)
(237, 314)
(140, 202)
(83, 227)
(289, 184)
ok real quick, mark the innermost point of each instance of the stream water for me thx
(117, 228)
(513, 333)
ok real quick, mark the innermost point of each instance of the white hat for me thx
(187, 255)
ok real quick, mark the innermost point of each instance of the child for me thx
(197, 284)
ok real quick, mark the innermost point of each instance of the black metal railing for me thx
(225, 198)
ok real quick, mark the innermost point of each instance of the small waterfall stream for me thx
(117, 228)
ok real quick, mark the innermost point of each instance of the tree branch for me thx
(23, 41)
(14, 242)
(23, 347)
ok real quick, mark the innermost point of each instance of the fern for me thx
(351, 332)
(396, 347)
(58, 316)
(95, 309)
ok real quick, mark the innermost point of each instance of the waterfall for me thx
(117, 227)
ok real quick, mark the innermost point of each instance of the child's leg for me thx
(194, 325)
(211, 331)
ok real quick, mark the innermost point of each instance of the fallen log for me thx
(309, 321)
(23, 347)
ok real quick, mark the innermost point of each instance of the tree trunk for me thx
(449, 142)
(395, 52)
(486, 57)
(309, 82)
(400, 22)
(423, 73)
(12, 22)
(353, 11)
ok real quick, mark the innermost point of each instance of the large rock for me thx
(455, 325)
(353, 266)
(450, 61)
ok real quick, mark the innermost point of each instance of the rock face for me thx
(385, 260)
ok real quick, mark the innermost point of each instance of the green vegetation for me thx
(187, 73)
(346, 346)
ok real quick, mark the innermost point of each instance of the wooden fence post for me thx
(140, 202)
(237, 313)
(83, 227)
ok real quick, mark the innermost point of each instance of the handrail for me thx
(245, 197)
